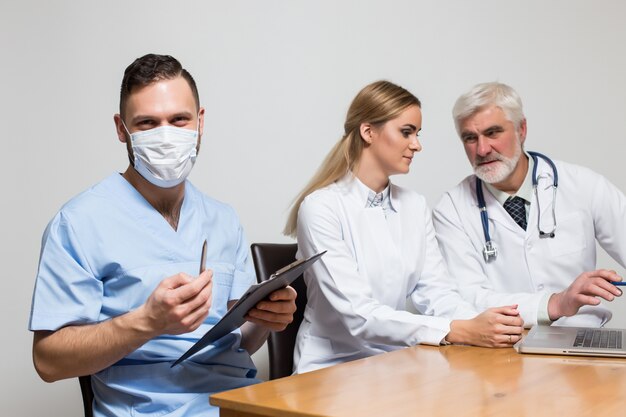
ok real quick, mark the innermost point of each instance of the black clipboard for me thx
(234, 317)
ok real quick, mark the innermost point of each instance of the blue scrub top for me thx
(105, 252)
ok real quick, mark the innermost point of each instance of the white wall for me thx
(276, 78)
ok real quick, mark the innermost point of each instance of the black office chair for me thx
(269, 258)
(87, 391)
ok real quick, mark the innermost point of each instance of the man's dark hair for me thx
(149, 69)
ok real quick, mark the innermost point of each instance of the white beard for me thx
(498, 171)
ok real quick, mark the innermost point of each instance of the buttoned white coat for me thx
(588, 208)
(357, 292)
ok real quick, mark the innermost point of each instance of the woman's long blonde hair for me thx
(376, 103)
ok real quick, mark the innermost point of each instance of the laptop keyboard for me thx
(608, 339)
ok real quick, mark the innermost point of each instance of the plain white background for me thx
(276, 78)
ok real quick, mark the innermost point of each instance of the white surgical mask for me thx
(164, 155)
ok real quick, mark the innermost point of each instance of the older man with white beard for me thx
(522, 229)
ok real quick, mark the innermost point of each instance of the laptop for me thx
(579, 341)
(234, 317)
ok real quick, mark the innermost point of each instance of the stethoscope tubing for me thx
(489, 250)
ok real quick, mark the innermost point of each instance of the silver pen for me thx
(203, 258)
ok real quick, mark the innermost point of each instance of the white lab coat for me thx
(357, 291)
(588, 207)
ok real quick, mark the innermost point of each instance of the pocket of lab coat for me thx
(569, 236)
(321, 347)
(317, 347)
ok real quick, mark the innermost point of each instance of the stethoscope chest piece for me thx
(490, 252)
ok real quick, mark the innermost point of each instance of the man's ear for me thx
(522, 131)
(200, 128)
(122, 135)
(200, 121)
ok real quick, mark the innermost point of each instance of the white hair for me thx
(485, 95)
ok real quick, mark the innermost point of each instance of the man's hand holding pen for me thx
(180, 303)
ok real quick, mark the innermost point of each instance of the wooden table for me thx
(446, 381)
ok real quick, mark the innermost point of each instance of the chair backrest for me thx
(87, 391)
(269, 258)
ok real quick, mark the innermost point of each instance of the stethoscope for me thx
(490, 252)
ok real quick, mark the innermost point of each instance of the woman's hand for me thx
(495, 327)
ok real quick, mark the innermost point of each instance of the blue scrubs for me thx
(104, 253)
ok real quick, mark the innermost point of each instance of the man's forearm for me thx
(83, 350)
(253, 336)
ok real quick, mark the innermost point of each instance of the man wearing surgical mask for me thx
(118, 295)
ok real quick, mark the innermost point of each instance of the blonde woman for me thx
(381, 247)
